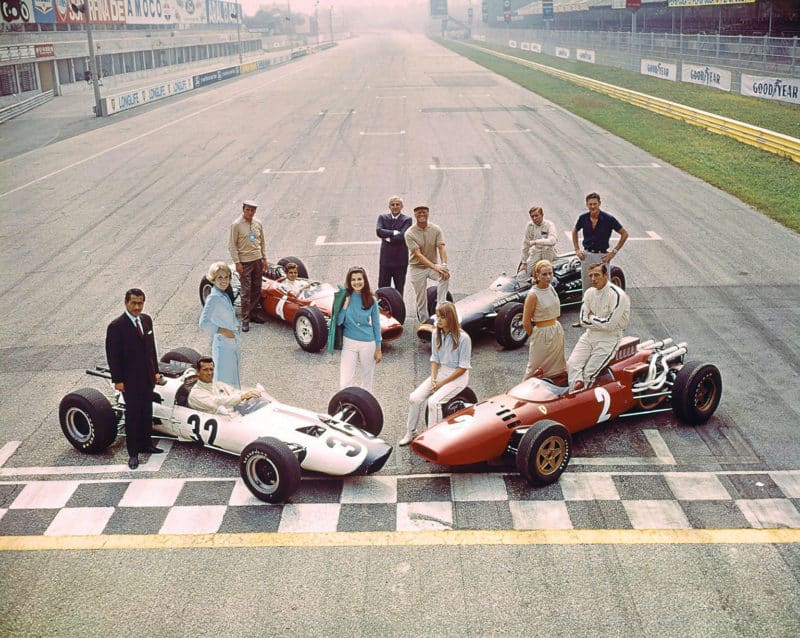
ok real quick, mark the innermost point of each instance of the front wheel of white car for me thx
(269, 469)
(357, 407)
(88, 420)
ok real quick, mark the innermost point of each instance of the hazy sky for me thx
(307, 6)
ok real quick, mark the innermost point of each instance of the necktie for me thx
(139, 327)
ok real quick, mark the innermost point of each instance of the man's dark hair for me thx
(203, 360)
(602, 266)
(133, 292)
(593, 196)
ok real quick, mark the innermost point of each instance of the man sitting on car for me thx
(292, 284)
(215, 396)
(605, 313)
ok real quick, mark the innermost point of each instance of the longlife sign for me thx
(704, 3)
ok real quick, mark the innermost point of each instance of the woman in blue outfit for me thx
(451, 354)
(218, 318)
(361, 343)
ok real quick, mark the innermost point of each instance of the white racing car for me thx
(272, 440)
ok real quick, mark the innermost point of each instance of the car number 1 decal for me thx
(211, 424)
(279, 308)
(602, 396)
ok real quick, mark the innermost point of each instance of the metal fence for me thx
(624, 50)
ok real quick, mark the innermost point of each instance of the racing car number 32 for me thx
(210, 425)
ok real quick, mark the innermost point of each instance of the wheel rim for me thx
(517, 331)
(454, 406)
(263, 474)
(205, 291)
(706, 393)
(550, 455)
(79, 425)
(349, 413)
(383, 304)
(304, 330)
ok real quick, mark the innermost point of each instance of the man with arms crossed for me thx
(424, 241)
(605, 314)
(393, 263)
(132, 359)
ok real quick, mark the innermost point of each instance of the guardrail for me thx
(23, 106)
(767, 140)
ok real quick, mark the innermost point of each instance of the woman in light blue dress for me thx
(218, 318)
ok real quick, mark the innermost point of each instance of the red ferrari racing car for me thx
(532, 424)
(310, 311)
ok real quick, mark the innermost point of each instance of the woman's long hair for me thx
(447, 311)
(366, 292)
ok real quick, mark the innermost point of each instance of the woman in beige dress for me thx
(540, 320)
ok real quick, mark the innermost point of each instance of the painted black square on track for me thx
(423, 489)
(97, 494)
(8, 493)
(136, 520)
(205, 493)
(714, 515)
(248, 519)
(26, 522)
(520, 490)
(751, 486)
(598, 515)
(642, 487)
(317, 491)
(482, 515)
(367, 517)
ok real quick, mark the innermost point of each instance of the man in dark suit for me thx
(391, 228)
(131, 354)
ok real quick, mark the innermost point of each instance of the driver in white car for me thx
(215, 396)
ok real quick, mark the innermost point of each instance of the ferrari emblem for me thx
(543, 409)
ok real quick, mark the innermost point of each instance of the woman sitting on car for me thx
(540, 319)
(451, 350)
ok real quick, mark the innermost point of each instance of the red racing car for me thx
(310, 311)
(532, 424)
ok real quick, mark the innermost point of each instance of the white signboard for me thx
(661, 70)
(536, 47)
(525, 46)
(561, 52)
(512, 44)
(585, 56)
(138, 97)
(772, 88)
(706, 75)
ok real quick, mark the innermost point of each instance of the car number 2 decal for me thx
(602, 396)
(210, 425)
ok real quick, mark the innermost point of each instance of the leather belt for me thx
(544, 324)
(599, 252)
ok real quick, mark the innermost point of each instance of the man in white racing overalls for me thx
(605, 314)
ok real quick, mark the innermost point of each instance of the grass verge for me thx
(765, 181)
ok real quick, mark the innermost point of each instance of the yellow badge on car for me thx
(543, 409)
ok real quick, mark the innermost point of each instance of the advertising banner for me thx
(190, 11)
(220, 12)
(17, 52)
(706, 75)
(17, 11)
(771, 88)
(215, 76)
(561, 52)
(137, 97)
(100, 12)
(661, 70)
(44, 11)
(44, 50)
(536, 47)
(438, 8)
(585, 55)
(149, 12)
(704, 3)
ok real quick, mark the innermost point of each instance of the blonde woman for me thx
(218, 318)
(451, 351)
(540, 319)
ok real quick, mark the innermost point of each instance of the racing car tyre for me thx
(544, 452)
(508, 328)
(459, 402)
(310, 329)
(357, 407)
(182, 355)
(392, 302)
(432, 300)
(696, 392)
(87, 420)
(302, 271)
(205, 290)
(269, 469)
(617, 277)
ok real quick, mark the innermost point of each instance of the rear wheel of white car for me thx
(544, 452)
(433, 298)
(508, 329)
(392, 302)
(696, 392)
(182, 355)
(302, 271)
(269, 469)
(310, 329)
(357, 407)
(88, 420)
(462, 400)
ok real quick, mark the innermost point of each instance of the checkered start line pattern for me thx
(625, 500)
